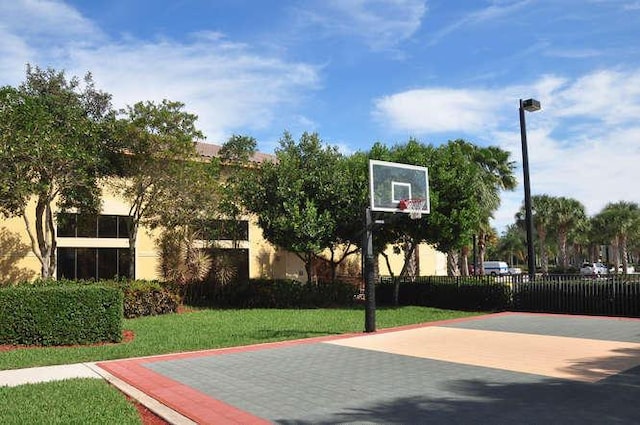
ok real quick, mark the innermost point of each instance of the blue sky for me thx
(361, 71)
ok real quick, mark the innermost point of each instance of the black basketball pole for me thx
(369, 276)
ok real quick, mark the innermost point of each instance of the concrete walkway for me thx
(500, 369)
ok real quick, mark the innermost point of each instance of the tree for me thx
(512, 245)
(495, 175)
(293, 197)
(55, 144)
(164, 184)
(623, 218)
(566, 215)
(466, 181)
(542, 207)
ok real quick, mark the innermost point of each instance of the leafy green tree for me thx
(164, 184)
(293, 197)
(55, 144)
(467, 181)
(567, 215)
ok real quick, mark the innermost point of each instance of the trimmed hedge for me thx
(141, 297)
(452, 293)
(60, 315)
(266, 293)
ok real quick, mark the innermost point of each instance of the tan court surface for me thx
(554, 356)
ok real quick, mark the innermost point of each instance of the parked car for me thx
(496, 268)
(593, 269)
(515, 270)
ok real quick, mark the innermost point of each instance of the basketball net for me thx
(414, 206)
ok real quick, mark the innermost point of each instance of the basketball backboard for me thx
(392, 182)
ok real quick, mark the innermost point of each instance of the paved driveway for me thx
(494, 369)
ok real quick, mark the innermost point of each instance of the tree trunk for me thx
(133, 235)
(408, 268)
(564, 257)
(482, 249)
(623, 253)
(542, 237)
(45, 236)
(452, 263)
(464, 259)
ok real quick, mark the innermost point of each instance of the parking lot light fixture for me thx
(530, 105)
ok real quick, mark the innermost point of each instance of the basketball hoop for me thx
(414, 206)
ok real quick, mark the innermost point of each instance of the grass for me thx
(74, 401)
(205, 329)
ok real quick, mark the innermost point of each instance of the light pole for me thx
(530, 105)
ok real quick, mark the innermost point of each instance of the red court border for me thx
(205, 409)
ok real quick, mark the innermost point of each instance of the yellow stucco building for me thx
(98, 247)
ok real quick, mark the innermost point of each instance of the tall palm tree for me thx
(542, 212)
(624, 218)
(567, 214)
(495, 175)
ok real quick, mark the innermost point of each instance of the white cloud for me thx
(585, 143)
(437, 110)
(494, 11)
(381, 24)
(47, 23)
(230, 86)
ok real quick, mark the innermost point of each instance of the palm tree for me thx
(542, 212)
(623, 218)
(566, 215)
(512, 244)
(495, 175)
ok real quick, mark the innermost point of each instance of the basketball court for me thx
(498, 368)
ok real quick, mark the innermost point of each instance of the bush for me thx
(450, 293)
(267, 293)
(145, 298)
(141, 297)
(60, 315)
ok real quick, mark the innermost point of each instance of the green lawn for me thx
(74, 401)
(222, 328)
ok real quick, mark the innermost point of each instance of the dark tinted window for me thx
(87, 227)
(108, 226)
(86, 263)
(107, 263)
(66, 264)
(92, 263)
(66, 225)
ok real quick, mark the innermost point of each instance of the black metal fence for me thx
(613, 295)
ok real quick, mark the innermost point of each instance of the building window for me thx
(71, 225)
(92, 263)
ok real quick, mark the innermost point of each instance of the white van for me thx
(496, 268)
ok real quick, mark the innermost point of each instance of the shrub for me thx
(267, 293)
(452, 293)
(60, 315)
(145, 298)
